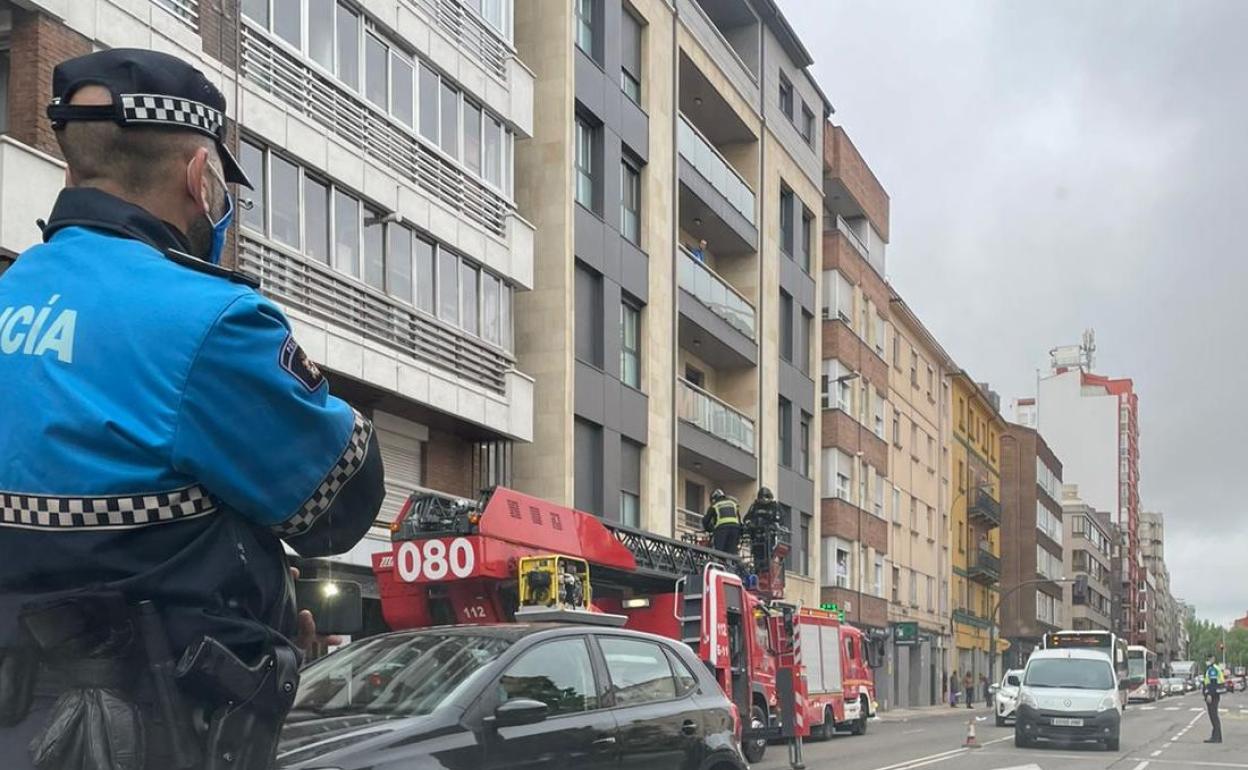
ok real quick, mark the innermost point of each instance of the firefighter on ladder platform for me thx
(723, 521)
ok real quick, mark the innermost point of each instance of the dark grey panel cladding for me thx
(796, 491)
(799, 284)
(600, 396)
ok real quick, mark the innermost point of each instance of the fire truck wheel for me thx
(860, 725)
(755, 749)
(828, 728)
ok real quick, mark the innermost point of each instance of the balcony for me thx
(468, 31)
(31, 181)
(716, 203)
(849, 186)
(984, 508)
(713, 437)
(983, 567)
(344, 114)
(715, 319)
(729, 32)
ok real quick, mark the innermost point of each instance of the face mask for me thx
(222, 225)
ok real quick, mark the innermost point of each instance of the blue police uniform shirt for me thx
(161, 431)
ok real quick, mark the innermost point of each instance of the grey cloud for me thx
(1059, 165)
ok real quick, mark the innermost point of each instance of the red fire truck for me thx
(462, 561)
(837, 661)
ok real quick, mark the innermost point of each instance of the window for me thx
(316, 220)
(376, 84)
(321, 32)
(808, 124)
(785, 432)
(805, 244)
(630, 199)
(842, 565)
(802, 546)
(914, 514)
(693, 496)
(557, 673)
(587, 471)
(931, 381)
(585, 27)
(786, 326)
(914, 368)
(252, 159)
(896, 428)
(589, 331)
(257, 11)
(804, 328)
(428, 103)
(786, 221)
(399, 281)
(878, 585)
(803, 445)
(914, 588)
(786, 97)
(472, 137)
(468, 296)
(584, 163)
(837, 474)
(881, 333)
(448, 286)
(288, 21)
(449, 107)
(838, 296)
(640, 672)
(897, 351)
(630, 344)
(931, 594)
(346, 233)
(422, 264)
(630, 483)
(284, 197)
(348, 47)
(896, 585)
(877, 503)
(491, 295)
(375, 250)
(897, 504)
(493, 160)
(630, 56)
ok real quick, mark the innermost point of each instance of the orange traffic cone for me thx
(971, 743)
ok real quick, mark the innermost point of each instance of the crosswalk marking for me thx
(1172, 708)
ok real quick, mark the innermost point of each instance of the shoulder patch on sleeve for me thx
(299, 366)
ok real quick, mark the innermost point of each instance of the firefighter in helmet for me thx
(761, 526)
(723, 521)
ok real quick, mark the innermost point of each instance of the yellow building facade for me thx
(975, 522)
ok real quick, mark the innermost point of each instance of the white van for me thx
(1068, 695)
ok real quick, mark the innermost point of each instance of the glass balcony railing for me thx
(711, 165)
(719, 297)
(700, 409)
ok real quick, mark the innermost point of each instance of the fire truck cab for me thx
(840, 684)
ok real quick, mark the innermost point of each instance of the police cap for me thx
(149, 89)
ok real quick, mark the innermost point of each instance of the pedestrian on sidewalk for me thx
(1213, 681)
(968, 683)
(983, 686)
(953, 689)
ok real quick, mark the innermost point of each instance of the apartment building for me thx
(380, 137)
(916, 494)
(674, 178)
(1164, 630)
(1089, 548)
(1092, 423)
(1032, 537)
(975, 522)
(854, 387)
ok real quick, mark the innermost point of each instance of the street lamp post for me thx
(992, 619)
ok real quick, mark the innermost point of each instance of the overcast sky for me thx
(1061, 165)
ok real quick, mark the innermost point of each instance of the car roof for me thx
(514, 632)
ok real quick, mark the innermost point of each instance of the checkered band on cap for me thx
(349, 462)
(154, 108)
(75, 514)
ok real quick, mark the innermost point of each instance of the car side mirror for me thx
(519, 711)
(1012, 681)
(992, 688)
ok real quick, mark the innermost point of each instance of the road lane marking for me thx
(1189, 763)
(1141, 766)
(907, 763)
(1156, 753)
(1172, 708)
(910, 732)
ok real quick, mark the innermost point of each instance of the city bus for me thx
(1142, 674)
(1105, 641)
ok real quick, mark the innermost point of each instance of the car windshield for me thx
(1074, 673)
(396, 675)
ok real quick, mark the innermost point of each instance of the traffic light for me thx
(1079, 591)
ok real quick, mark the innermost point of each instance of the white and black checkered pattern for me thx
(75, 514)
(154, 108)
(350, 461)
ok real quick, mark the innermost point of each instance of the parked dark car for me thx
(531, 696)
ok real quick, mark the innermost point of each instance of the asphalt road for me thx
(1167, 735)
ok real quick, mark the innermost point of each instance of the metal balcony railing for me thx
(322, 292)
(984, 566)
(702, 155)
(854, 240)
(983, 506)
(471, 33)
(711, 290)
(286, 77)
(700, 409)
(186, 11)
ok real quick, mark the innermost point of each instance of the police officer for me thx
(723, 521)
(162, 434)
(1214, 680)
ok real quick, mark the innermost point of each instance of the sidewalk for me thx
(931, 712)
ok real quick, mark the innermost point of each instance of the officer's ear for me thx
(198, 184)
